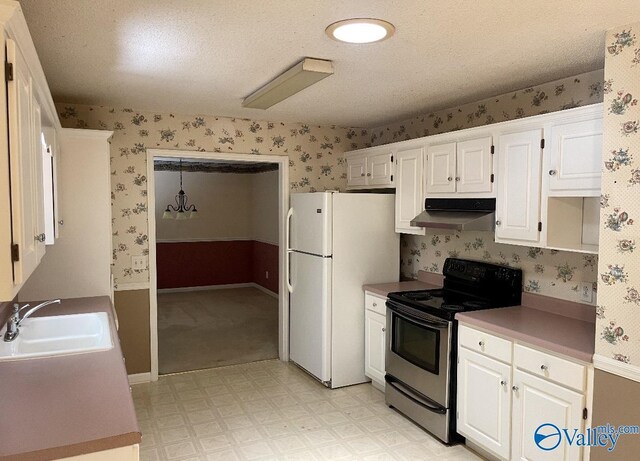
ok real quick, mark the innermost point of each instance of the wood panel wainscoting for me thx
(183, 264)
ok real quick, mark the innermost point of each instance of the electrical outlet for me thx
(138, 263)
(266, 275)
(586, 292)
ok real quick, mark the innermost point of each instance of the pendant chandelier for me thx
(181, 210)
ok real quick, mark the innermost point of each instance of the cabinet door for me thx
(518, 201)
(575, 158)
(441, 169)
(38, 151)
(380, 169)
(484, 401)
(474, 166)
(374, 351)
(537, 401)
(409, 196)
(356, 171)
(24, 164)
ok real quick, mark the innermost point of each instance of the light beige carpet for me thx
(214, 328)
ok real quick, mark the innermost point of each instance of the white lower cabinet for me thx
(503, 398)
(375, 322)
(484, 401)
(537, 401)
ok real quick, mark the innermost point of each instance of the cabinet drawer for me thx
(485, 343)
(375, 303)
(553, 368)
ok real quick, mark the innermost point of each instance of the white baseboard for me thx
(265, 290)
(616, 367)
(219, 287)
(205, 287)
(140, 378)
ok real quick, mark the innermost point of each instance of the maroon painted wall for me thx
(193, 264)
(265, 258)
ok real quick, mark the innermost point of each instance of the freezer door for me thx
(310, 314)
(311, 223)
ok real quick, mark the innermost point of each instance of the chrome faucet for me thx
(14, 320)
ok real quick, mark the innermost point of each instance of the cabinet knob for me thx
(544, 367)
(41, 237)
(498, 222)
(368, 174)
(375, 304)
(449, 179)
(457, 178)
(361, 174)
(514, 388)
(384, 329)
(503, 383)
(481, 343)
(552, 172)
(61, 222)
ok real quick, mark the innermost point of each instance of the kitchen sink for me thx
(58, 335)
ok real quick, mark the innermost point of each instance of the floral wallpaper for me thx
(548, 272)
(316, 160)
(618, 323)
(580, 90)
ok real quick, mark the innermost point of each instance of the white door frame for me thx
(283, 197)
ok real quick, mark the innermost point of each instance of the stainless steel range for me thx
(422, 339)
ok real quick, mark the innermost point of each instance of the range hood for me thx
(457, 214)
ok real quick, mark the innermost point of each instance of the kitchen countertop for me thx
(425, 281)
(559, 326)
(58, 407)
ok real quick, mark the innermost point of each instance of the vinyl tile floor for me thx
(213, 328)
(272, 410)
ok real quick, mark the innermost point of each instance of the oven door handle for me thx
(419, 320)
(415, 396)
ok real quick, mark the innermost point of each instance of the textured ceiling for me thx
(204, 56)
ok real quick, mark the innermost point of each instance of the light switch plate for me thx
(586, 292)
(138, 263)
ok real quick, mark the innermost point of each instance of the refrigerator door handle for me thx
(287, 261)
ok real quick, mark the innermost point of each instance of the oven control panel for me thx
(480, 271)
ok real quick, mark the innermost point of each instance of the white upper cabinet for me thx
(26, 171)
(409, 195)
(574, 161)
(460, 169)
(379, 169)
(474, 166)
(518, 202)
(356, 170)
(29, 107)
(370, 169)
(441, 169)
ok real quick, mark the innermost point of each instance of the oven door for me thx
(418, 346)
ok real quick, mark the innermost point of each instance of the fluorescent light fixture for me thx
(361, 30)
(302, 75)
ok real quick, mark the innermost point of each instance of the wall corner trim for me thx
(616, 367)
(140, 378)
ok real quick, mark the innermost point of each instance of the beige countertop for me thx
(64, 406)
(425, 281)
(559, 326)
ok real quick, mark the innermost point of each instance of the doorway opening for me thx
(216, 259)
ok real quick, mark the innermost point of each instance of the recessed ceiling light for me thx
(362, 30)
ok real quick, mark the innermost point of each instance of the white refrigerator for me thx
(337, 243)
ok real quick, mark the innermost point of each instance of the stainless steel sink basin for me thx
(58, 335)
